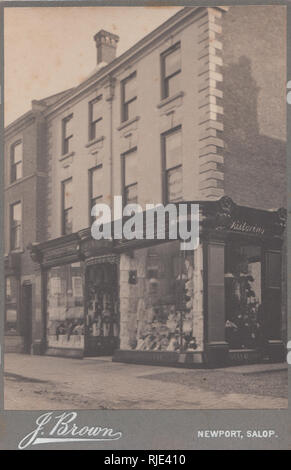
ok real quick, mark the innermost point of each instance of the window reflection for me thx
(65, 307)
(164, 304)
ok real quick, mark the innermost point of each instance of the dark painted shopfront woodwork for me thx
(241, 289)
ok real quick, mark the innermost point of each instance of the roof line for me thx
(142, 43)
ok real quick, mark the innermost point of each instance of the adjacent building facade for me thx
(192, 112)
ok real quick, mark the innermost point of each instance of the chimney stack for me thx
(106, 44)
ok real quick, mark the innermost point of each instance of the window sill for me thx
(67, 155)
(95, 141)
(128, 122)
(11, 333)
(17, 251)
(170, 99)
(20, 180)
(11, 183)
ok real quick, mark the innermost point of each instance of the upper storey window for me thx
(128, 97)
(173, 175)
(130, 174)
(171, 71)
(67, 206)
(95, 118)
(67, 125)
(16, 162)
(15, 225)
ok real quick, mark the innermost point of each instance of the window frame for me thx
(123, 175)
(166, 170)
(91, 123)
(90, 187)
(13, 228)
(66, 138)
(124, 104)
(64, 211)
(164, 78)
(13, 165)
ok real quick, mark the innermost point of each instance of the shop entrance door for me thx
(245, 319)
(27, 316)
(102, 310)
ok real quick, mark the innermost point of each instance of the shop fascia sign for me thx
(242, 226)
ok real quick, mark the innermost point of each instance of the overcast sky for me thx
(48, 50)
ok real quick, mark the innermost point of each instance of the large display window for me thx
(164, 299)
(65, 307)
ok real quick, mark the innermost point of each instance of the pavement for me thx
(43, 382)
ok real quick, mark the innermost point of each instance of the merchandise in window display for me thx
(165, 323)
(65, 307)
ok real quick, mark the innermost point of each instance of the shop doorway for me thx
(246, 322)
(102, 309)
(27, 316)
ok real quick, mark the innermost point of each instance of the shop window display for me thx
(244, 314)
(65, 307)
(164, 306)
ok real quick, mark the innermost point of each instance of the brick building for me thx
(192, 112)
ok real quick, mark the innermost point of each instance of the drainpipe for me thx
(110, 96)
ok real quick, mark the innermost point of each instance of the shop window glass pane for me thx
(162, 300)
(65, 307)
(245, 319)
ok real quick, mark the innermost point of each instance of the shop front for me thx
(216, 305)
(147, 301)
(80, 303)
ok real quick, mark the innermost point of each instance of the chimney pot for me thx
(106, 44)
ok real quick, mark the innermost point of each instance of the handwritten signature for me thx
(62, 428)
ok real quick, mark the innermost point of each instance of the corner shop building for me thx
(146, 301)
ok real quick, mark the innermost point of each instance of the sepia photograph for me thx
(145, 208)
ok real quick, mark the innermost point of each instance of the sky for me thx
(47, 50)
